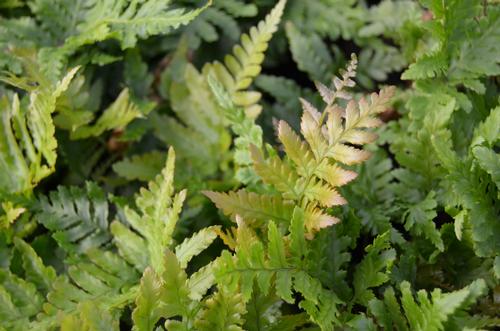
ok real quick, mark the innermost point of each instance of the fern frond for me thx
(27, 144)
(248, 133)
(373, 197)
(205, 27)
(194, 245)
(89, 318)
(458, 38)
(419, 218)
(330, 19)
(280, 264)
(254, 208)
(22, 299)
(443, 311)
(312, 171)
(309, 52)
(475, 196)
(240, 68)
(486, 136)
(263, 312)
(223, 311)
(110, 277)
(374, 269)
(286, 93)
(478, 192)
(172, 293)
(237, 8)
(158, 213)
(143, 167)
(92, 22)
(175, 291)
(489, 161)
(9, 213)
(77, 218)
(100, 277)
(120, 113)
(199, 135)
(377, 61)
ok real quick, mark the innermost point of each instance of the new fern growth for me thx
(314, 167)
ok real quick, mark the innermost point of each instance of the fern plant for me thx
(255, 233)
(104, 261)
(200, 115)
(28, 143)
(311, 172)
(86, 24)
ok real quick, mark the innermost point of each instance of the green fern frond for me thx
(120, 113)
(486, 137)
(419, 219)
(478, 189)
(374, 269)
(489, 161)
(172, 293)
(195, 244)
(458, 37)
(89, 318)
(280, 264)
(429, 66)
(199, 135)
(287, 94)
(99, 276)
(373, 198)
(377, 61)
(263, 312)
(170, 289)
(9, 213)
(77, 218)
(22, 298)
(329, 18)
(27, 144)
(248, 133)
(240, 68)
(476, 197)
(205, 27)
(443, 311)
(223, 311)
(237, 8)
(309, 52)
(254, 208)
(91, 22)
(143, 167)
(102, 278)
(159, 211)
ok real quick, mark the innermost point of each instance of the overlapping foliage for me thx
(303, 200)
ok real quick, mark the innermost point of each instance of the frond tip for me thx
(240, 68)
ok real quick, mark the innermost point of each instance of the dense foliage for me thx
(314, 189)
